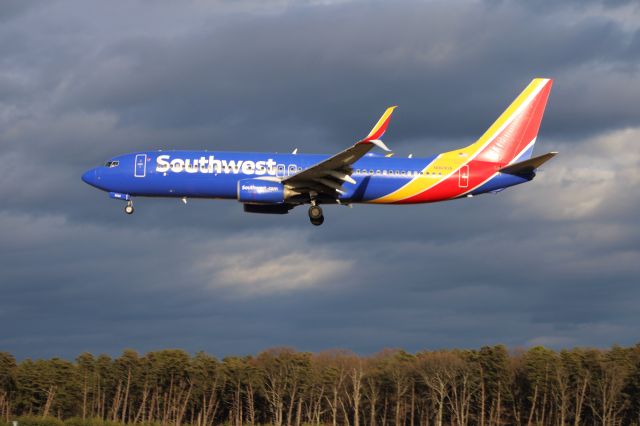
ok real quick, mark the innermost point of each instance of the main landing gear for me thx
(129, 207)
(315, 215)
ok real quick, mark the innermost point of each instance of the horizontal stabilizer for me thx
(528, 166)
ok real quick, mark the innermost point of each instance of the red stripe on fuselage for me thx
(479, 171)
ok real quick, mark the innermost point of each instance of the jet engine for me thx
(259, 191)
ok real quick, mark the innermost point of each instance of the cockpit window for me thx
(111, 164)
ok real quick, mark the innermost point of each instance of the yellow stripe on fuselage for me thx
(449, 162)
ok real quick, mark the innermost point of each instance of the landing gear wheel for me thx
(315, 212)
(315, 215)
(129, 208)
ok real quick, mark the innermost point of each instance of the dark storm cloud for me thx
(571, 4)
(10, 9)
(252, 73)
(552, 262)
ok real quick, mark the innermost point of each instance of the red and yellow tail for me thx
(512, 136)
(509, 139)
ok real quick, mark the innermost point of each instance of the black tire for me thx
(129, 209)
(315, 212)
(317, 222)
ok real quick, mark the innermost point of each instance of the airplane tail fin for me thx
(512, 136)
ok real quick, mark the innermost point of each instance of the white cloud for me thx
(273, 262)
(585, 181)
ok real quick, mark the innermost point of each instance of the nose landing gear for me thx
(129, 207)
(315, 215)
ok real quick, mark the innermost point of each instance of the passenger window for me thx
(370, 172)
(377, 172)
(403, 172)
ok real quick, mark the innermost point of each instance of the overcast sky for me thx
(553, 262)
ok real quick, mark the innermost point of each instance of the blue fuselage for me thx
(214, 174)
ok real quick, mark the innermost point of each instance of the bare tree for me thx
(606, 401)
(580, 394)
(335, 374)
(51, 393)
(353, 388)
(561, 392)
(435, 369)
(372, 384)
(462, 388)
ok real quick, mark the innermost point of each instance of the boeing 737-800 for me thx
(276, 183)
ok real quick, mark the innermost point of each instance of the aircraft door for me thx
(140, 165)
(463, 176)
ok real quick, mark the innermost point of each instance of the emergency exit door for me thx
(463, 176)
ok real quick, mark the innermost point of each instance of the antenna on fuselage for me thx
(295, 151)
(410, 155)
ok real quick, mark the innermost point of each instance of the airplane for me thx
(274, 183)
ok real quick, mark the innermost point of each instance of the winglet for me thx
(378, 130)
(378, 143)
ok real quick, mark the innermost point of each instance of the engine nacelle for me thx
(258, 191)
(268, 208)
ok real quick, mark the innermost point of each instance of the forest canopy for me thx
(280, 386)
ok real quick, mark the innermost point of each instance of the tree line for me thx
(489, 386)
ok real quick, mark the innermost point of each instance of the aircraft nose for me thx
(90, 177)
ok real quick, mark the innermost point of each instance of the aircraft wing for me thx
(328, 176)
